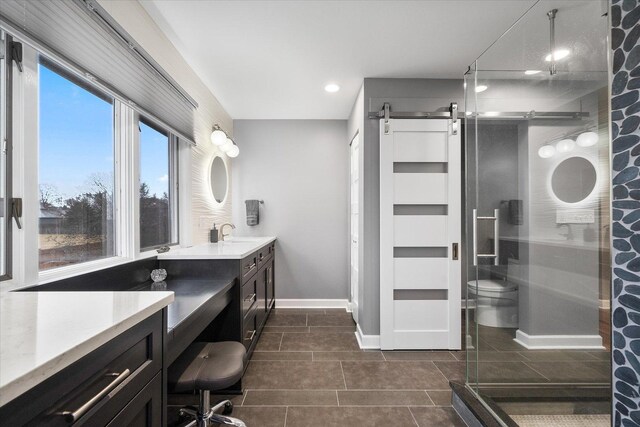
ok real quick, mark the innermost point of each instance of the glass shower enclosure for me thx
(537, 218)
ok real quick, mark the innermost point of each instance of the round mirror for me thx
(218, 179)
(573, 179)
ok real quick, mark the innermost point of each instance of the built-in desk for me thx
(197, 302)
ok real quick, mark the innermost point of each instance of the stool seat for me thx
(207, 366)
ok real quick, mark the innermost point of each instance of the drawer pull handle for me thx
(249, 267)
(72, 417)
(251, 298)
(253, 334)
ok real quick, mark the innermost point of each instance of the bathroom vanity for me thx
(251, 261)
(94, 349)
(90, 357)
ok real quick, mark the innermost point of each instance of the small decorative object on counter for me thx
(213, 234)
(159, 286)
(163, 249)
(158, 275)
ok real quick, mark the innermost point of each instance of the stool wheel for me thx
(228, 408)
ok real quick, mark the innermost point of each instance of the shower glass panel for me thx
(538, 207)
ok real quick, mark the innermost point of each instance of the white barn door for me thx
(420, 226)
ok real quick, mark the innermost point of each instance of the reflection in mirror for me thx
(218, 179)
(573, 179)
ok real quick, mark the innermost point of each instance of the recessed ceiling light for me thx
(532, 72)
(490, 114)
(557, 55)
(332, 88)
(481, 88)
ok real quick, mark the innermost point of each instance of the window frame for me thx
(25, 156)
(174, 192)
(6, 143)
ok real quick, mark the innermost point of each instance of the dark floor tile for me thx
(303, 416)
(269, 342)
(492, 372)
(557, 355)
(337, 311)
(330, 320)
(291, 398)
(493, 356)
(319, 342)
(282, 355)
(348, 355)
(572, 371)
(298, 311)
(440, 397)
(292, 329)
(401, 375)
(418, 355)
(431, 417)
(290, 375)
(330, 329)
(384, 398)
(273, 416)
(601, 355)
(276, 319)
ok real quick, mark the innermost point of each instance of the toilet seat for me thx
(492, 286)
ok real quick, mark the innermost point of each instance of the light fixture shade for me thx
(228, 143)
(218, 137)
(565, 145)
(546, 151)
(587, 139)
(233, 151)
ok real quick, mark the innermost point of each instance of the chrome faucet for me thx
(569, 234)
(221, 234)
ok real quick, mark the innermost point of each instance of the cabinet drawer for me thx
(249, 330)
(249, 295)
(264, 255)
(145, 410)
(94, 389)
(249, 267)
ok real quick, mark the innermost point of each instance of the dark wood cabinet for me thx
(99, 387)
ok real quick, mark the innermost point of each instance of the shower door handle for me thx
(496, 221)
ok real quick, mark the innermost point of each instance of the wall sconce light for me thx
(565, 145)
(546, 151)
(220, 139)
(587, 139)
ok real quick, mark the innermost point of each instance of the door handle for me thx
(16, 211)
(495, 219)
(454, 252)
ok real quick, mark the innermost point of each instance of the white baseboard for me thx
(367, 342)
(540, 342)
(312, 303)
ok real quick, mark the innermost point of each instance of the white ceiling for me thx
(272, 59)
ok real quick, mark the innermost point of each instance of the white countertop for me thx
(42, 333)
(234, 248)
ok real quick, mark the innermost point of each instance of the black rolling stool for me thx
(206, 367)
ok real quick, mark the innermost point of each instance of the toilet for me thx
(496, 300)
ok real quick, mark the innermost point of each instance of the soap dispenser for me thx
(213, 234)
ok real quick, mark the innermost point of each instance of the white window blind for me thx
(92, 44)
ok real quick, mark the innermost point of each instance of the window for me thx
(157, 186)
(76, 170)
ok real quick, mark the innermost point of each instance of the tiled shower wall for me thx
(625, 118)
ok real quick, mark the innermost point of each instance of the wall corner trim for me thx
(367, 342)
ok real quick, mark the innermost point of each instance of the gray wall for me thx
(300, 168)
(403, 95)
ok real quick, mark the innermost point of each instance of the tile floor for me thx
(307, 370)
